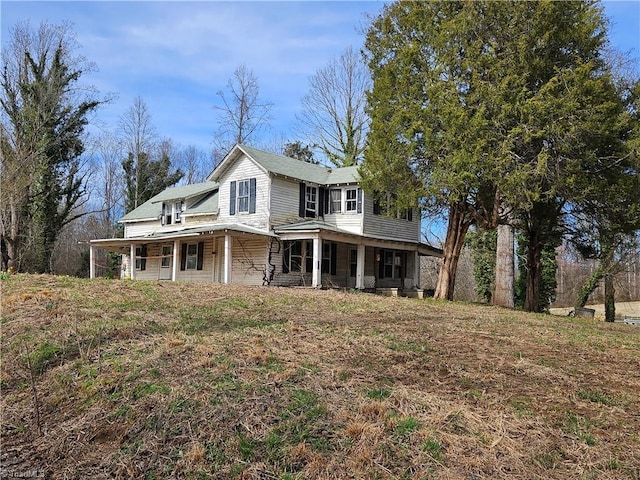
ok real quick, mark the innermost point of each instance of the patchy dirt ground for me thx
(111, 379)
(622, 309)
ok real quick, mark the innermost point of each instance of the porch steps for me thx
(398, 292)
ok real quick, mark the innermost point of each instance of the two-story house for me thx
(266, 219)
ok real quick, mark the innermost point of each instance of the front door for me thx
(166, 262)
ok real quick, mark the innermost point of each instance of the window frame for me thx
(191, 257)
(244, 196)
(333, 202)
(167, 254)
(311, 204)
(351, 201)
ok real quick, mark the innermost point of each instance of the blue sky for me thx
(177, 55)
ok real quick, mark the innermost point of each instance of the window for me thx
(297, 256)
(166, 214)
(335, 205)
(329, 257)
(383, 205)
(353, 262)
(141, 257)
(352, 200)
(311, 199)
(178, 212)
(192, 257)
(243, 196)
(391, 264)
(167, 251)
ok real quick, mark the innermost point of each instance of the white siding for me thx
(392, 228)
(249, 260)
(244, 169)
(285, 201)
(204, 275)
(140, 229)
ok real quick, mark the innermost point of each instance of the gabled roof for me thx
(152, 208)
(289, 167)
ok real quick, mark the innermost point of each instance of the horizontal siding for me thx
(245, 169)
(140, 229)
(285, 201)
(204, 275)
(249, 261)
(350, 222)
(396, 228)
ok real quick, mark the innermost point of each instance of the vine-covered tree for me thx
(44, 114)
(333, 112)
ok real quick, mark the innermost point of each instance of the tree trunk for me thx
(609, 299)
(456, 230)
(534, 272)
(503, 294)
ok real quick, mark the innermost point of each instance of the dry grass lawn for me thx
(110, 379)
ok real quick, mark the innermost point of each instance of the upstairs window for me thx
(352, 200)
(172, 213)
(335, 201)
(178, 211)
(311, 201)
(242, 196)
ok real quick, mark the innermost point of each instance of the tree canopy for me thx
(44, 114)
(486, 108)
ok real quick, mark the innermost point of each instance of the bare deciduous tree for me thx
(333, 112)
(242, 114)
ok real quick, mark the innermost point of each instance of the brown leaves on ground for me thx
(164, 380)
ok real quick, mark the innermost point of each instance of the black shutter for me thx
(183, 257)
(200, 255)
(285, 257)
(303, 191)
(232, 199)
(321, 202)
(163, 211)
(359, 200)
(143, 260)
(376, 206)
(334, 258)
(410, 215)
(252, 195)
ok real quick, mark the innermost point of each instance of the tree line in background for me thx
(511, 120)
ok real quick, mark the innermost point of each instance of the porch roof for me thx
(183, 233)
(314, 226)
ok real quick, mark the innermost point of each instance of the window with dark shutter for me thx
(232, 198)
(359, 210)
(321, 202)
(303, 192)
(200, 259)
(252, 195)
(183, 257)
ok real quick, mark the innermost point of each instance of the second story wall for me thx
(378, 225)
(285, 201)
(244, 194)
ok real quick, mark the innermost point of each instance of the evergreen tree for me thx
(43, 120)
(476, 105)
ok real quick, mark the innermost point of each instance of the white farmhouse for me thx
(265, 219)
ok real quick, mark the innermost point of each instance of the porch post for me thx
(92, 260)
(132, 261)
(416, 269)
(360, 267)
(316, 280)
(227, 258)
(174, 264)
